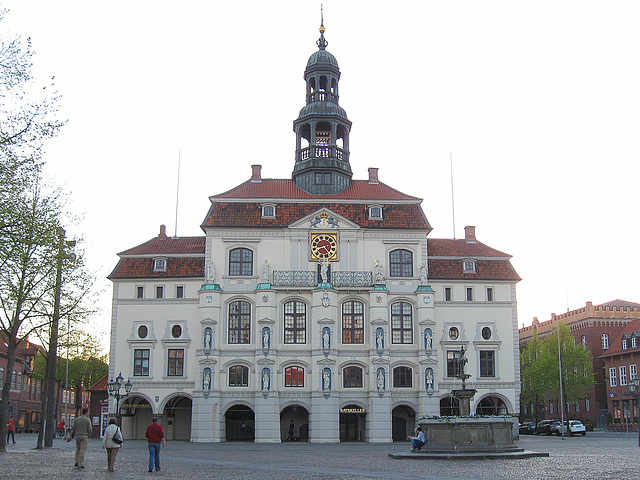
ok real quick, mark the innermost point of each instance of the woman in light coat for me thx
(111, 446)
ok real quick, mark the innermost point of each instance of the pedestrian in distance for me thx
(112, 431)
(81, 430)
(11, 427)
(292, 428)
(155, 438)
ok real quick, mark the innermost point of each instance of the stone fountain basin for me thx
(469, 435)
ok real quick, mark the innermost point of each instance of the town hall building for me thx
(314, 308)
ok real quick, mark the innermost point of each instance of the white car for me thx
(575, 427)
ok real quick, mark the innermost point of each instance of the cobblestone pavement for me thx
(599, 455)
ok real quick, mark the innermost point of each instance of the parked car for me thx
(546, 426)
(574, 427)
(527, 427)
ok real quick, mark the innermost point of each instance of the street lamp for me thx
(114, 390)
(633, 388)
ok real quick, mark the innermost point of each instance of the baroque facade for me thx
(313, 308)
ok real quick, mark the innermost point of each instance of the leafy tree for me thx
(29, 216)
(540, 368)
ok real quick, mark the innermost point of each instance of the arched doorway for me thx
(240, 424)
(352, 421)
(300, 418)
(136, 415)
(449, 406)
(403, 421)
(492, 405)
(177, 418)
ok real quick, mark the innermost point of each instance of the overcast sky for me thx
(538, 103)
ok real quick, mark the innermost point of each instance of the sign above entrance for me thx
(353, 410)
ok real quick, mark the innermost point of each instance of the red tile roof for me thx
(445, 247)
(100, 385)
(615, 347)
(163, 245)
(179, 267)
(286, 189)
(240, 214)
(485, 270)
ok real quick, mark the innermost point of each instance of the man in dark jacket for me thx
(155, 437)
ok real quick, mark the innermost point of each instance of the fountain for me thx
(468, 436)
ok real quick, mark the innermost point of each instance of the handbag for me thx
(117, 437)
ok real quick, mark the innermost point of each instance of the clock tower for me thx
(322, 129)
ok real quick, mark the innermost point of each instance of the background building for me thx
(595, 327)
(316, 300)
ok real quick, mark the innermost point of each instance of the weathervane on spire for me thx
(322, 43)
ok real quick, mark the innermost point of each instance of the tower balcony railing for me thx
(284, 278)
(322, 97)
(324, 151)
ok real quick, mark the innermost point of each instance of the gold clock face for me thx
(324, 246)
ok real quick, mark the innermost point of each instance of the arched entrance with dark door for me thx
(176, 418)
(403, 422)
(299, 417)
(352, 423)
(240, 424)
(492, 405)
(449, 406)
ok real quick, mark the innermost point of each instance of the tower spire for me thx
(322, 43)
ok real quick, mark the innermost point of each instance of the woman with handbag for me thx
(112, 441)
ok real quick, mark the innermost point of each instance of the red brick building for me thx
(98, 403)
(24, 396)
(596, 327)
(620, 367)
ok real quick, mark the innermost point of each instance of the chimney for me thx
(373, 175)
(256, 173)
(470, 234)
(163, 232)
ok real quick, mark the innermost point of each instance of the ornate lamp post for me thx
(114, 391)
(633, 385)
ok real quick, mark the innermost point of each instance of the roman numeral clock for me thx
(324, 246)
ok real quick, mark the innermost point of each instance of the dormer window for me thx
(268, 211)
(624, 344)
(634, 342)
(469, 266)
(375, 212)
(160, 265)
(323, 178)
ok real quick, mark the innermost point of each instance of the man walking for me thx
(80, 431)
(155, 437)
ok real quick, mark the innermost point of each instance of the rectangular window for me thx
(447, 294)
(402, 377)
(238, 376)
(624, 344)
(453, 363)
(633, 371)
(353, 322)
(469, 294)
(295, 322)
(179, 291)
(623, 375)
(613, 381)
(139, 292)
(401, 323)
(141, 362)
(176, 362)
(489, 294)
(159, 292)
(294, 377)
(634, 342)
(487, 363)
(352, 377)
(323, 178)
(401, 263)
(605, 341)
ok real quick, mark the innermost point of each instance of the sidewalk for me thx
(596, 456)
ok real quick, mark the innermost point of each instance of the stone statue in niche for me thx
(326, 338)
(380, 339)
(210, 273)
(428, 339)
(423, 275)
(266, 338)
(266, 271)
(380, 379)
(428, 379)
(266, 380)
(324, 271)
(377, 271)
(206, 379)
(326, 379)
(208, 338)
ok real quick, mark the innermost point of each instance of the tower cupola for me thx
(322, 128)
